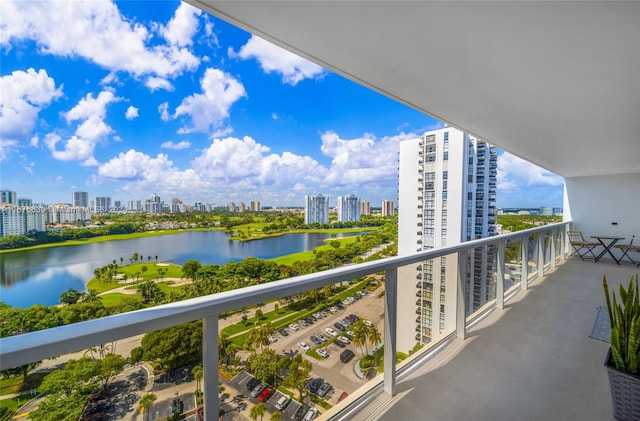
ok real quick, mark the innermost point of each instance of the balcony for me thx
(508, 344)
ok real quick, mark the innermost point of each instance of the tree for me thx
(74, 376)
(276, 416)
(360, 336)
(190, 268)
(258, 337)
(264, 366)
(145, 404)
(111, 365)
(134, 257)
(258, 314)
(226, 349)
(150, 292)
(374, 337)
(299, 370)
(175, 346)
(70, 296)
(258, 411)
(197, 374)
(91, 296)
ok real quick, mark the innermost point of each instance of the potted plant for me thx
(623, 358)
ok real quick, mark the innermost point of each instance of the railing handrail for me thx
(34, 346)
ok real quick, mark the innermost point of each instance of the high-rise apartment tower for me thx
(348, 208)
(447, 187)
(316, 209)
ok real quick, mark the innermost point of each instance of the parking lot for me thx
(340, 375)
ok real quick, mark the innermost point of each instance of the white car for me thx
(272, 339)
(294, 327)
(331, 332)
(345, 340)
(368, 323)
(322, 337)
(311, 414)
(303, 346)
(323, 353)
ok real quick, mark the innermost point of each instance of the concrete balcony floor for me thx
(532, 361)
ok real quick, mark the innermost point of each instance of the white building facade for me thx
(19, 220)
(388, 208)
(447, 185)
(348, 208)
(316, 209)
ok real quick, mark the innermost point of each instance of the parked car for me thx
(331, 332)
(349, 334)
(314, 384)
(322, 337)
(309, 320)
(301, 412)
(350, 318)
(345, 340)
(324, 389)
(333, 309)
(315, 340)
(354, 317)
(294, 327)
(266, 393)
(253, 382)
(343, 396)
(304, 346)
(272, 339)
(284, 332)
(256, 391)
(346, 355)
(368, 323)
(323, 314)
(340, 343)
(339, 305)
(283, 402)
(311, 414)
(303, 323)
(323, 353)
(339, 326)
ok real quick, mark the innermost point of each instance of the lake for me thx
(40, 276)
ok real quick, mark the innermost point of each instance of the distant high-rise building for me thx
(242, 207)
(316, 209)
(545, 211)
(255, 206)
(20, 220)
(447, 187)
(388, 208)
(25, 202)
(101, 204)
(348, 208)
(65, 214)
(135, 206)
(80, 198)
(365, 207)
(232, 207)
(154, 205)
(8, 196)
(117, 204)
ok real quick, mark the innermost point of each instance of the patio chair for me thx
(581, 246)
(633, 248)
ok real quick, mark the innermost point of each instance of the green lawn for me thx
(134, 272)
(289, 259)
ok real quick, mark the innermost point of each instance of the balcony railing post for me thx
(210, 367)
(461, 319)
(563, 242)
(390, 329)
(524, 266)
(500, 260)
(541, 238)
(554, 238)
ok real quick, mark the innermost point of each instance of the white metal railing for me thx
(35, 346)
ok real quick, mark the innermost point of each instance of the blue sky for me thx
(133, 98)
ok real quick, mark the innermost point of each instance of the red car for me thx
(266, 393)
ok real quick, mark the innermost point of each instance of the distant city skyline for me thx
(192, 107)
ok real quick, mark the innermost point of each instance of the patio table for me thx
(611, 241)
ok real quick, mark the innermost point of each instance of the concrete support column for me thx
(461, 320)
(554, 238)
(540, 246)
(390, 330)
(210, 367)
(500, 260)
(524, 267)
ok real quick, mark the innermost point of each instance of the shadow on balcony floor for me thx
(532, 361)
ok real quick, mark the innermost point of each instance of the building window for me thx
(443, 233)
(445, 156)
(428, 231)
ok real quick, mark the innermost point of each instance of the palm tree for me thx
(197, 374)
(135, 257)
(156, 258)
(145, 404)
(374, 337)
(226, 348)
(314, 294)
(258, 411)
(121, 260)
(91, 296)
(276, 416)
(258, 337)
(360, 336)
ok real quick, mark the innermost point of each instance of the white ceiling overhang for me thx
(556, 83)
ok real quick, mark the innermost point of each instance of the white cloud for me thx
(515, 174)
(24, 94)
(132, 112)
(163, 109)
(176, 146)
(275, 59)
(208, 111)
(156, 83)
(92, 129)
(182, 26)
(362, 160)
(247, 162)
(96, 31)
(144, 173)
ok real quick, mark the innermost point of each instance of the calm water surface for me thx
(40, 276)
